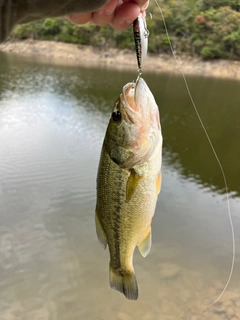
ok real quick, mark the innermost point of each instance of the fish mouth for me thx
(131, 95)
(140, 86)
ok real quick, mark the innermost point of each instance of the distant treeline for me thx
(207, 28)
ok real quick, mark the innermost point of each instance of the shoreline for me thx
(74, 54)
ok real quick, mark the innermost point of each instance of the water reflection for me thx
(52, 122)
(186, 147)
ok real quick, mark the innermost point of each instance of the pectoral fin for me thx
(132, 184)
(158, 183)
(100, 232)
(145, 246)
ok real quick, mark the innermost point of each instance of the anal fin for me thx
(144, 246)
(100, 232)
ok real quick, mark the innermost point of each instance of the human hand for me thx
(118, 13)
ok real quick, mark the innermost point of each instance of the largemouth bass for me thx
(128, 182)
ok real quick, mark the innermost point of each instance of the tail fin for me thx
(124, 282)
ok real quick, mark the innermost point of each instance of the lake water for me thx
(52, 124)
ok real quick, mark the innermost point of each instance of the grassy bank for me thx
(209, 29)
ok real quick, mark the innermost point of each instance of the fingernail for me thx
(125, 22)
(108, 12)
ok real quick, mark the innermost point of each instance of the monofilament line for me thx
(215, 154)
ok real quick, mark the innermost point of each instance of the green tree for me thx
(207, 28)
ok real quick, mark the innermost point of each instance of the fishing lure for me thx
(141, 34)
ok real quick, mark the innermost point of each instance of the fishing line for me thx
(215, 154)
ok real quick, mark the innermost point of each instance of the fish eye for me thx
(116, 116)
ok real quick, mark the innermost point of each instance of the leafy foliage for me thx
(208, 28)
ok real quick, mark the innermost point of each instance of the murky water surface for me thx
(52, 123)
